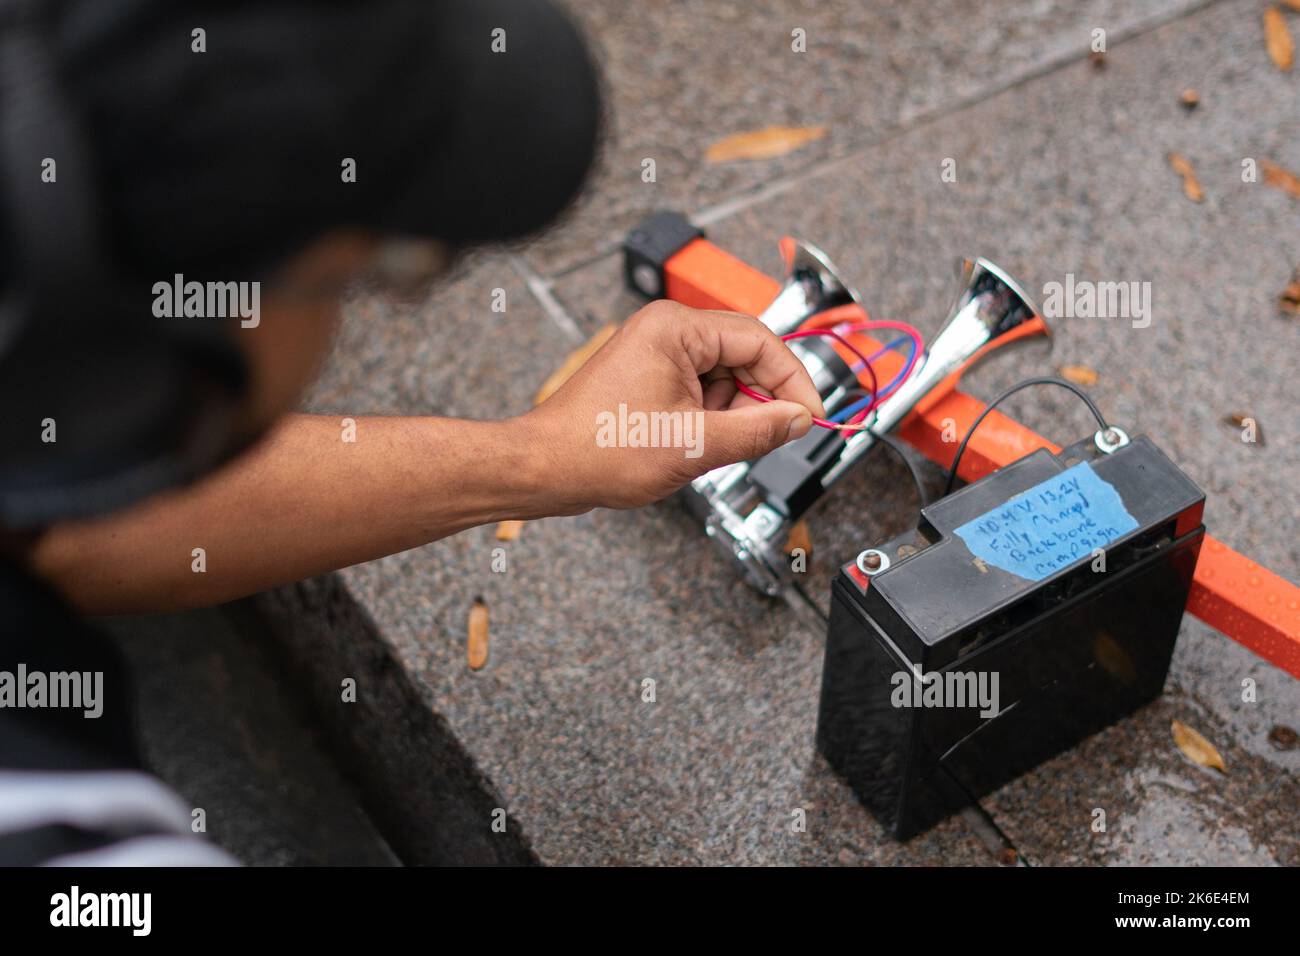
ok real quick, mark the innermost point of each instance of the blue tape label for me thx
(1049, 526)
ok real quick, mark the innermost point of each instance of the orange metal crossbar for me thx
(1250, 604)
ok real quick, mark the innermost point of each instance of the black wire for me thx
(1046, 380)
(890, 442)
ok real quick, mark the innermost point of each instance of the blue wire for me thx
(845, 414)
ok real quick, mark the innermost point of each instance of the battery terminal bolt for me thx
(872, 561)
(1110, 439)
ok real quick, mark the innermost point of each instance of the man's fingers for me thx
(741, 434)
(734, 341)
(719, 394)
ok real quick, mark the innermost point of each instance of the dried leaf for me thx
(1241, 421)
(1191, 185)
(1289, 301)
(1079, 374)
(476, 647)
(1283, 179)
(763, 144)
(1281, 48)
(508, 530)
(1196, 748)
(1283, 737)
(572, 362)
(799, 538)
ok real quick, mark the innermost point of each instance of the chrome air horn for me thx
(749, 508)
(811, 286)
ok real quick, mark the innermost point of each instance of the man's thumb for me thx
(751, 431)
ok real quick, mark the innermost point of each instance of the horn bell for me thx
(812, 285)
(991, 311)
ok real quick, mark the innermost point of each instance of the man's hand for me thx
(656, 407)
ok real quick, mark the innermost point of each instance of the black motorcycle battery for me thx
(1027, 610)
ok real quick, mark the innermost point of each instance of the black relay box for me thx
(1027, 610)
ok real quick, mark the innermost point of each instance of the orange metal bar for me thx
(1250, 604)
(705, 277)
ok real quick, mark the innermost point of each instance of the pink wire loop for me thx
(857, 422)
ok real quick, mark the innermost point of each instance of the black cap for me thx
(517, 119)
(467, 120)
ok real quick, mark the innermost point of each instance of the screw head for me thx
(646, 278)
(1110, 439)
(872, 561)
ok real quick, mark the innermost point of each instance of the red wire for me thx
(903, 327)
(852, 425)
(745, 389)
(912, 360)
(827, 333)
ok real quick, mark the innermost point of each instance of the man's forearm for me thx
(303, 502)
(307, 500)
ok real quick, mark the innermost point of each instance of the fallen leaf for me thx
(572, 362)
(1281, 48)
(1191, 185)
(799, 538)
(763, 144)
(1079, 374)
(1283, 737)
(1190, 99)
(1239, 421)
(476, 647)
(508, 530)
(1289, 301)
(1283, 179)
(1196, 748)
